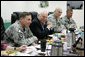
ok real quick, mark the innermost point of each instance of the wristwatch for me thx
(14, 48)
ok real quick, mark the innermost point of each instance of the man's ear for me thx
(21, 19)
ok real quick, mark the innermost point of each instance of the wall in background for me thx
(8, 7)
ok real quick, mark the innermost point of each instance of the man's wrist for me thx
(14, 48)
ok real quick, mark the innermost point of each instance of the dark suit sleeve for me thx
(36, 30)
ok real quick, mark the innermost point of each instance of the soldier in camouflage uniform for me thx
(19, 33)
(56, 20)
(69, 23)
(68, 20)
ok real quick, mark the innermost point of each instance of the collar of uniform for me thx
(57, 19)
(67, 18)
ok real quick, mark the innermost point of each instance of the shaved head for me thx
(58, 9)
(57, 12)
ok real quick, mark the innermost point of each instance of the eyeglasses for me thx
(44, 17)
(60, 12)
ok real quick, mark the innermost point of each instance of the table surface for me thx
(37, 52)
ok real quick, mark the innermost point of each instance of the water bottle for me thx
(57, 48)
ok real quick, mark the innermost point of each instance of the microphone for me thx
(75, 44)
